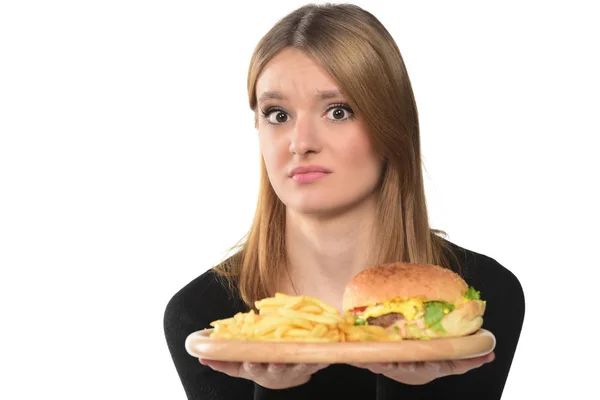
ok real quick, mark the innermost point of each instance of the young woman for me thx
(341, 189)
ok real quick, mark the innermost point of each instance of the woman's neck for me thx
(325, 253)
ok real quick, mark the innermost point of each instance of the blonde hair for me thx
(363, 58)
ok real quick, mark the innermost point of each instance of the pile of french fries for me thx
(296, 319)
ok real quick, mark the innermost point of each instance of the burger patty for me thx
(385, 320)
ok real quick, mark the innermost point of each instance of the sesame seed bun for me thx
(402, 280)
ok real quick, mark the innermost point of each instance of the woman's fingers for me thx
(458, 367)
(227, 367)
(426, 371)
(264, 372)
(277, 369)
(277, 375)
(407, 366)
(382, 368)
(444, 368)
(305, 369)
(255, 370)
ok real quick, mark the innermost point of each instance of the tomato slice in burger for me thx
(357, 310)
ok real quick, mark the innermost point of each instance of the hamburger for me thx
(415, 301)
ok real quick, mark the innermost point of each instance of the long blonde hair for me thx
(363, 58)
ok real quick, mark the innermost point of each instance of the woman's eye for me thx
(339, 114)
(277, 117)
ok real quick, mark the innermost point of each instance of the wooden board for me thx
(200, 345)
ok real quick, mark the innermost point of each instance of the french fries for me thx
(296, 319)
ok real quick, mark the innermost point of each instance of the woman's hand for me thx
(421, 373)
(270, 376)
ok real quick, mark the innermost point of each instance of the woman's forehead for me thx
(292, 74)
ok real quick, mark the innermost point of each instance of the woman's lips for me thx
(308, 174)
(308, 177)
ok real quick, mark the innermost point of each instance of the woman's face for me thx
(304, 122)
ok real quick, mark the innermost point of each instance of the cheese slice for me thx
(411, 309)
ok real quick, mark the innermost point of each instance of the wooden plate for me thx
(200, 345)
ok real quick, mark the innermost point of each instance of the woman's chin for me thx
(317, 209)
(313, 210)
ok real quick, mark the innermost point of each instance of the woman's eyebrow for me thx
(270, 95)
(321, 94)
(329, 94)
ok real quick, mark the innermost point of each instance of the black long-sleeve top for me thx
(206, 299)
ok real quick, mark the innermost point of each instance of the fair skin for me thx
(303, 120)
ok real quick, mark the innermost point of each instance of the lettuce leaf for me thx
(472, 294)
(434, 312)
(359, 321)
(438, 327)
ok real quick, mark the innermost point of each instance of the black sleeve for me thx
(193, 308)
(199, 381)
(504, 315)
(505, 312)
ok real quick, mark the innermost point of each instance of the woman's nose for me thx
(304, 137)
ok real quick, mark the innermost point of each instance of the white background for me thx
(129, 164)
